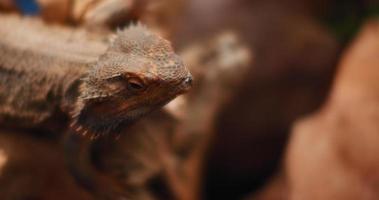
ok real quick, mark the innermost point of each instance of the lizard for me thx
(161, 156)
(99, 86)
(150, 161)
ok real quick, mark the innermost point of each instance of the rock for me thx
(332, 154)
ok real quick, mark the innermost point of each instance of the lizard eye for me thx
(135, 84)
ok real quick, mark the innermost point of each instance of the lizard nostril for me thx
(188, 81)
(186, 84)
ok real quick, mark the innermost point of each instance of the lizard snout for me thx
(188, 81)
(186, 84)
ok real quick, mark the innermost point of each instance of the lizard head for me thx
(138, 73)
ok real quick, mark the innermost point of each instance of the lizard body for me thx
(38, 64)
(99, 86)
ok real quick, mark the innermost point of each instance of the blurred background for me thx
(260, 68)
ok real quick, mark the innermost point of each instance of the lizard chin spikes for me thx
(84, 132)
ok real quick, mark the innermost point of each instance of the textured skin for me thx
(37, 68)
(98, 86)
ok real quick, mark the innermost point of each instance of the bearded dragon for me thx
(161, 156)
(99, 86)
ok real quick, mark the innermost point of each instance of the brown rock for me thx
(333, 153)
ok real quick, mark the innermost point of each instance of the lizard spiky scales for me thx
(99, 86)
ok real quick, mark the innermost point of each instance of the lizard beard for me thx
(98, 120)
